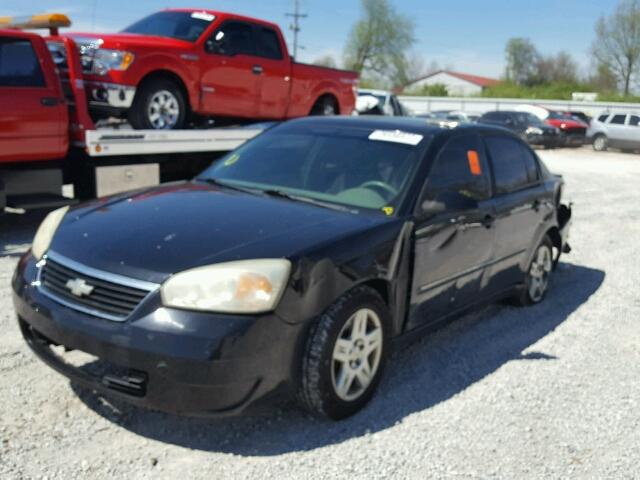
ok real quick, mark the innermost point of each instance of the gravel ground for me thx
(545, 392)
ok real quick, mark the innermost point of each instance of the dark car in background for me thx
(291, 264)
(529, 127)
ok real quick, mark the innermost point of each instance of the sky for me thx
(464, 35)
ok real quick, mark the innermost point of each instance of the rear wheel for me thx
(345, 355)
(159, 105)
(538, 276)
(600, 143)
(325, 106)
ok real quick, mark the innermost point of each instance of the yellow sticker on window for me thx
(388, 211)
(231, 160)
(474, 162)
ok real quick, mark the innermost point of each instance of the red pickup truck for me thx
(182, 63)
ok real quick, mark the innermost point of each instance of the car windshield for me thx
(529, 119)
(180, 25)
(352, 167)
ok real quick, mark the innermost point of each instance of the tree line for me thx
(380, 47)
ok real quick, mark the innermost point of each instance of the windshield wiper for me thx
(272, 192)
(218, 183)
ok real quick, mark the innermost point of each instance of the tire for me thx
(159, 105)
(538, 275)
(325, 106)
(600, 143)
(339, 357)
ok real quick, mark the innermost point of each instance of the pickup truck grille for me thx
(88, 293)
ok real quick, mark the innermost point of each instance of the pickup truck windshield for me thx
(180, 25)
(343, 167)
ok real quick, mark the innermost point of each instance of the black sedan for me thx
(293, 264)
(529, 127)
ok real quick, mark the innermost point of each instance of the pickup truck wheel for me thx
(325, 106)
(600, 143)
(345, 354)
(159, 105)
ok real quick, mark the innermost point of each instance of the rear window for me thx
(19, 64)
(634, 120)
(514, 165)
(269, 44)
(603, 118)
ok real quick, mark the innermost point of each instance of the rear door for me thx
(616, 130)
(520, 206)
(230, 71)
(632, 132)
(33, 116)
(453, 249)
(275, 77)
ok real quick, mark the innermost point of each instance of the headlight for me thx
(105, 60)
(534, 131)
(46, 231)
(248, 286)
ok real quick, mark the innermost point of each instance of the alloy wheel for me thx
(539, 273)
(356, 354)
(163, 110)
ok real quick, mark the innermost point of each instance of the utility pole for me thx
(295, 26)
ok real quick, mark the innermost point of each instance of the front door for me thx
(453, 248)
(231, 72)
(276, 78)
(34, 117)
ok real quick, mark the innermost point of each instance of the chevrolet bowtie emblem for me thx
(79, 287)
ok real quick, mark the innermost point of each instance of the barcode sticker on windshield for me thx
(396, 136)
(207, 17)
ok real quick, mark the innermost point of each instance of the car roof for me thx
(380, 122)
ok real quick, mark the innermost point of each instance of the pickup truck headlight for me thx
(247, 286)
(46, 231)
(105, 60)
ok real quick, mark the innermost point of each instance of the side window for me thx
(603, 118)
(513, 164)
(269, 44)
(19, 64)
(618, 119)
(634, 120)
(232, 38)
(460, 167)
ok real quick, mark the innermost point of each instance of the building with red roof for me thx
(458, 84)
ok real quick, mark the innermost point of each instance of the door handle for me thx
(49, 101)
(257, 70)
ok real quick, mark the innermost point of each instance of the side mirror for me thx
(448, 202)
(210, 46)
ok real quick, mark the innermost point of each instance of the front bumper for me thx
(171, 360)
(544, 140)
(110, 95)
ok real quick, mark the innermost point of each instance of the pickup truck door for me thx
(452, 250)
(275, 84)
(34, 116)
(231, 72)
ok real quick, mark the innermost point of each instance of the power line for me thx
(295, 26)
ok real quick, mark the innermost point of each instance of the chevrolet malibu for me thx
(294, 264)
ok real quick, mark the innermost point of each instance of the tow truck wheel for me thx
(325, 106)
(159, 105)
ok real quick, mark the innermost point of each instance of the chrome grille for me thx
(100, 294)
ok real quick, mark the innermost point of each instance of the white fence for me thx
(481, 105)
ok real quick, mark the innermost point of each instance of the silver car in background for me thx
(615, 130)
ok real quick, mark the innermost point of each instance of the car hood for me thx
(154, 233)
(127, 40)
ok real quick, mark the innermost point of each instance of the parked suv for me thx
(617, 130)
(527, 125)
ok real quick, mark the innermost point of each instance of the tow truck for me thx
(48, 138)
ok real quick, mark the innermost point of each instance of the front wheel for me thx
(159, 105)
(538, 276)
(345, 355)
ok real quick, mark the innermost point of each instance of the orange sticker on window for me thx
(474, 162)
